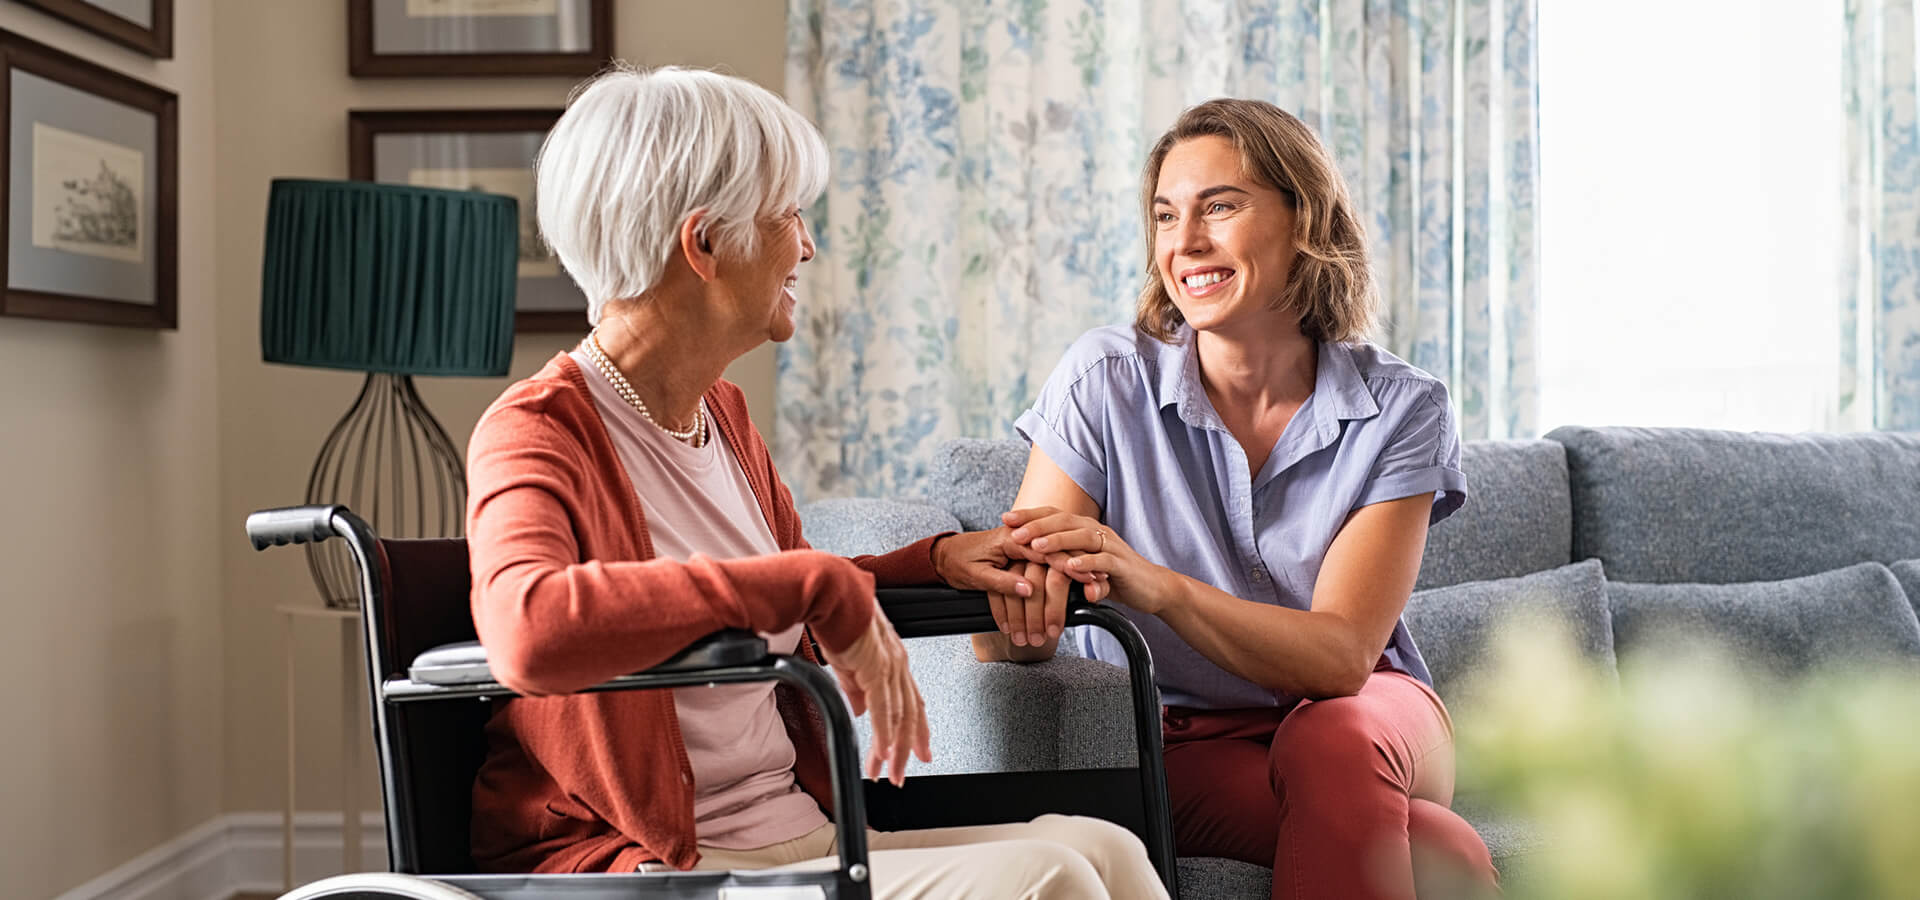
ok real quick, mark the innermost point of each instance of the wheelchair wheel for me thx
(377, 886)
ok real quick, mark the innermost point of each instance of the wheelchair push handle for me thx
(292, 525)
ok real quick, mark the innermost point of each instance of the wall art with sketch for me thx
(489, 150)
(144, 25)
(416, 38)
(90, 224)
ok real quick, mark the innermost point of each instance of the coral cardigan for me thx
(567, 593)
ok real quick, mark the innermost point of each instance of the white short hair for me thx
(638, 151)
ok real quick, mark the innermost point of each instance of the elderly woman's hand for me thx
(873, 671)
(977, 561)
(1034, 620)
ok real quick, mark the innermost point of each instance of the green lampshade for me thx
(389, 278)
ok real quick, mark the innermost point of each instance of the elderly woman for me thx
(624, 505)
(1252, 482)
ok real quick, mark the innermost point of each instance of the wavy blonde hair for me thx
(1330, 284)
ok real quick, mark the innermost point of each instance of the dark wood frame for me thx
(364, 124)
(156, 41)
(17, 52)
(362, 62)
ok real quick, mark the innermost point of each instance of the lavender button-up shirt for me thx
(1126, 418)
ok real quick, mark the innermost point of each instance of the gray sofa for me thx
(1794, 549)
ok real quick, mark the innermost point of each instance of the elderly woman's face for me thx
(765, 287)
(1223, 242)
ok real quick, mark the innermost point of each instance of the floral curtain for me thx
(983, 207)
(1880, 291)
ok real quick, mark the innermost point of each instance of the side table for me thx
(351, 663)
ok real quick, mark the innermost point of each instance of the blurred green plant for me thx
(1688, 777)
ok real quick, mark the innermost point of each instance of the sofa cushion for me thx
(977, 479)
(1689, 505)
(1065, 713)
(1519, 519)
(1907, 572)
(1453, 625)
(854, 526)
(1219, 878)
(1852, 616)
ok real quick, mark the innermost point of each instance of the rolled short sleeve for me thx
(1422, 456)
(1068, 420)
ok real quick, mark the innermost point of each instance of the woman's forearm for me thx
(1290, 651)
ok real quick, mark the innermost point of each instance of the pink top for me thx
(699, 501)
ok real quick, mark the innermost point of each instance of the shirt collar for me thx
(1338, 377)
(1339, 393)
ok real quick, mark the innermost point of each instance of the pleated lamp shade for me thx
(389, 278)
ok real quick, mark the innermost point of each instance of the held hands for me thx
(873, 671)
(1057, 546)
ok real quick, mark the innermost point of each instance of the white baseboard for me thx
(237, 852)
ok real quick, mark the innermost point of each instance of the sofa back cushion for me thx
(1690, 505)
(977, 479)
(1453, 626)
(1851, 616)
(1517, 518)
(850, 526)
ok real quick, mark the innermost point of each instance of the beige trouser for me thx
(1052, 857)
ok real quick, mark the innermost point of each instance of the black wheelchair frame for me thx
(435, 675)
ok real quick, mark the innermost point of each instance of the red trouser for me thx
(1344, 798)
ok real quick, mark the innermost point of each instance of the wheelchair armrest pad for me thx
(461, 663)
(466, 662)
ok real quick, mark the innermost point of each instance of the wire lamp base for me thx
(390, 462)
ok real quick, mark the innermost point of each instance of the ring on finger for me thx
(1103, 540)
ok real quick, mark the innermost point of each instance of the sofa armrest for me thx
(855, 526)
(1066, 713)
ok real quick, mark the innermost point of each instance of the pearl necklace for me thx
(695, 434)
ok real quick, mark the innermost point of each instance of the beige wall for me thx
(140, 632)
(111, 541)
(284, 94)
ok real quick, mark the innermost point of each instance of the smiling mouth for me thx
(1200, 284)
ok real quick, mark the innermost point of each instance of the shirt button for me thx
(1259, 575)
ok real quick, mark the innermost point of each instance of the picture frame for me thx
(144, 25)
(474, 149)
(89, 203)
(446, 38)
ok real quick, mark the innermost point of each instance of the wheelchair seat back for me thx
(437, 748)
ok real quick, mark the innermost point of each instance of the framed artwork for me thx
(144, 25)
(417, 38)
(91, 195)
(488, 150)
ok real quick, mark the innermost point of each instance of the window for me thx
(1690, 214)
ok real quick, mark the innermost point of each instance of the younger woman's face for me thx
(1223, 242)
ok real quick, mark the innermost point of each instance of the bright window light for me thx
(1690, 213)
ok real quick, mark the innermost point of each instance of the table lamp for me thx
(394, 281)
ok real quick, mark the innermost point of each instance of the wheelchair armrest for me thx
(465, 663)
(934, 611)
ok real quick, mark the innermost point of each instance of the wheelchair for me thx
(432, 694)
